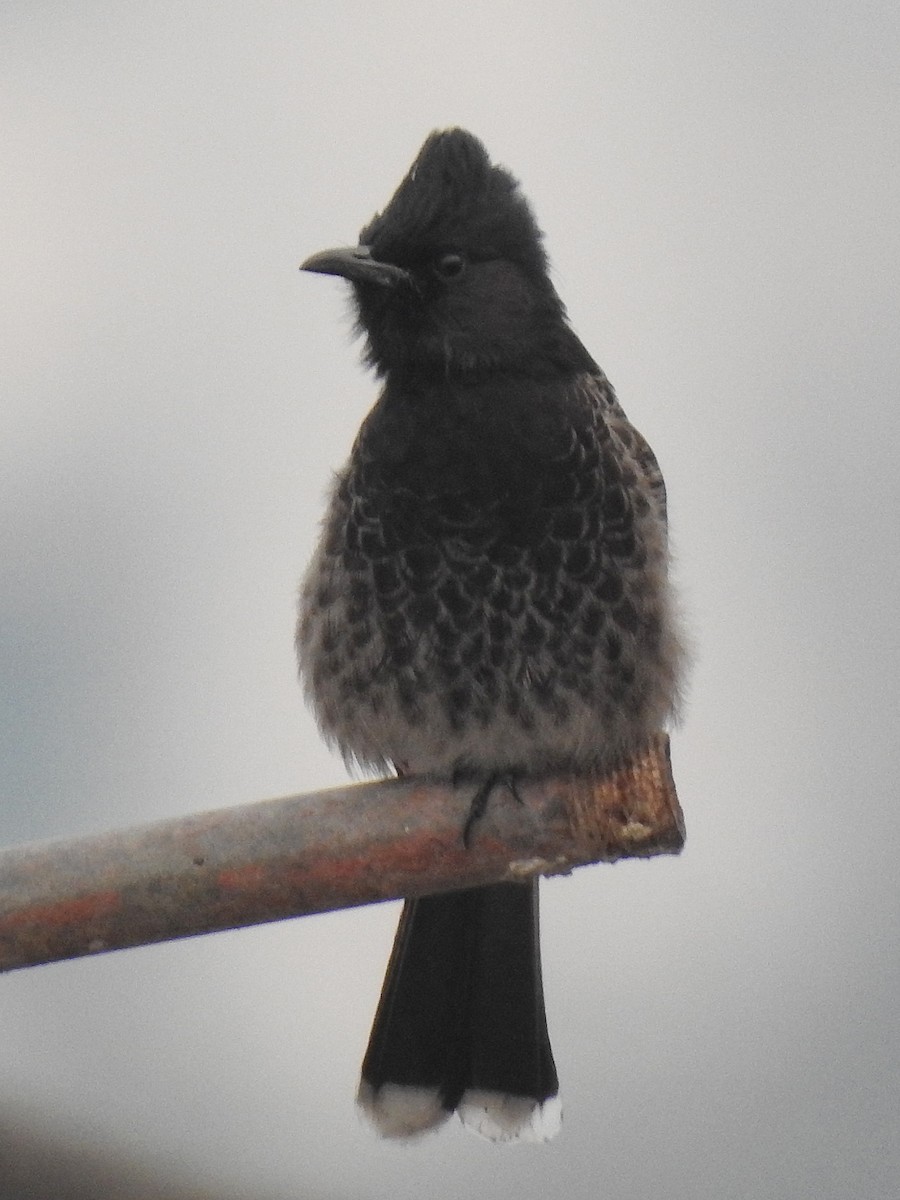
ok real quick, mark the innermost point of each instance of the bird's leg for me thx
(479, 802)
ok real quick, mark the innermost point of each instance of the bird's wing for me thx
(603, 394)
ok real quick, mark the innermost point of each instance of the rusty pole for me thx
(326, 850)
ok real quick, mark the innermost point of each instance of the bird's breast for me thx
(487, 591)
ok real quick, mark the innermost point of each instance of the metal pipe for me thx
(334, 849)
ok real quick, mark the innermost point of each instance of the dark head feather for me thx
(451, 277)
(455, 198)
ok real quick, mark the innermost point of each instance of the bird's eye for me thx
(449, 266)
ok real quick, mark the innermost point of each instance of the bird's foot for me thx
(479, 802)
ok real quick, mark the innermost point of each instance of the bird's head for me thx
(452, 276)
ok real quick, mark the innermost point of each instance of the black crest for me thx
(454, 197)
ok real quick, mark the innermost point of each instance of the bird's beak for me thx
(356, 264)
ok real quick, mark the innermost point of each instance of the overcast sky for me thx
(719, 188)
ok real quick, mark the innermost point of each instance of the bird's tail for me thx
(461, 1023)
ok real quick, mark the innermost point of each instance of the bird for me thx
(489, 600)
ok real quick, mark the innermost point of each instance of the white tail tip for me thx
(400, 1111)
(502, 1118)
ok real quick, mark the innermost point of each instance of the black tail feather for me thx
(509, 1047)
(462, 1006)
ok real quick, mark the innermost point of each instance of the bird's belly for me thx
(485, 670)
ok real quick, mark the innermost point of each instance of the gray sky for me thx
(719, 189)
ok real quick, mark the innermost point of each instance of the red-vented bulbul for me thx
(489, 599)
